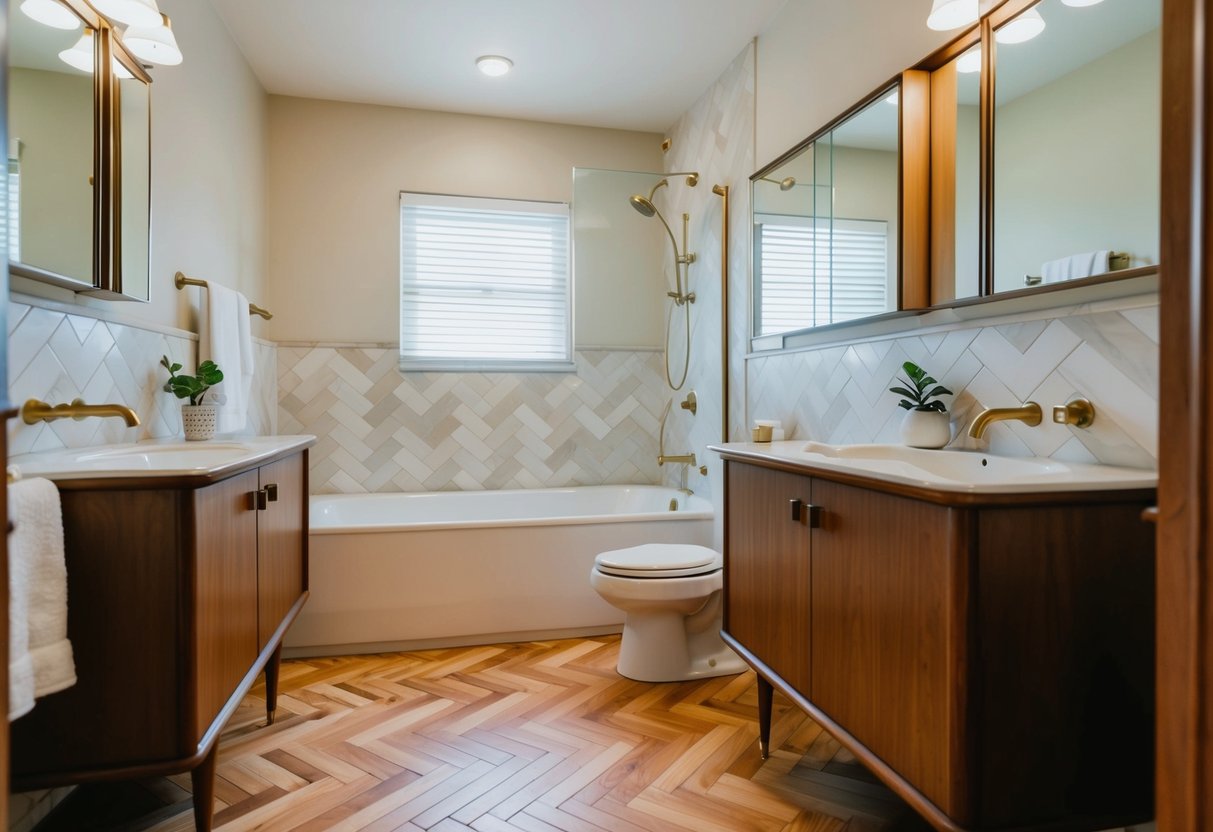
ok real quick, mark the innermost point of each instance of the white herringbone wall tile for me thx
(56, 357)
(840, 394)
(382, 430)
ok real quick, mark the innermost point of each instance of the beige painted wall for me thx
(816, 59)
(208, 171)
(335, 172)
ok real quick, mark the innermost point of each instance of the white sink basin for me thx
(155, 458)
(969, 470)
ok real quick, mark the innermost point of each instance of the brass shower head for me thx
(785, 184)
(643, 205)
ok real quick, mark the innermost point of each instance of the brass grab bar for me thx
(181, 281)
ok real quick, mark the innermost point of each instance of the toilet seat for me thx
(659, 560)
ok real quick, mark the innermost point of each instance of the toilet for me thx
(673, 597)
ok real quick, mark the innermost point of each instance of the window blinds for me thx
(484, 284)
(822, 273)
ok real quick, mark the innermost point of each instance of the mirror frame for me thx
(921, 286)
(107, 138)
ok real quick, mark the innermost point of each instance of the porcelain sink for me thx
(972, 470)
(156, 458)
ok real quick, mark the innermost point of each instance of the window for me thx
(484, 284)
(819, 273)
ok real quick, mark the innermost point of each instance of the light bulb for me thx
(951, 14)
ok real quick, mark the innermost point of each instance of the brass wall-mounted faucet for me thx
(34, 411)
(1029, 413)
(1078, 412)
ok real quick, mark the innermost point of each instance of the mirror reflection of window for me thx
(1076, 141)
(825, 231)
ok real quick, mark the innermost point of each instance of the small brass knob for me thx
(1078, 412)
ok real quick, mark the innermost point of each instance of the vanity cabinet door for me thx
(882, 625)
(281, 544)
(225, 591)
(767, 569)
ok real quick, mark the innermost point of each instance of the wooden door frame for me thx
(1184, 762)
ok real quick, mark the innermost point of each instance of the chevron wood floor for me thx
(539, 736)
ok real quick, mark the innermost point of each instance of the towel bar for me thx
(181, 281)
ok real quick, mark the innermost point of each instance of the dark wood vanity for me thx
(180, 590)
(988, 656)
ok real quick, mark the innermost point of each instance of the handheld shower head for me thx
(642, 205)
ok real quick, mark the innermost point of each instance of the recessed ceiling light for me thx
(494, 65)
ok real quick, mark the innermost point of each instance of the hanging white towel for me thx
(40, 655)
(1076, 265)
(226, 339)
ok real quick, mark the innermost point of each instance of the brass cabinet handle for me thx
(271, 492)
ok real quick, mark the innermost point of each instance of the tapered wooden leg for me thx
(203, 780)
(766, 694)
(271, 684)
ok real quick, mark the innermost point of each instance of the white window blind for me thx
(822, 272)
(14, 210)
(484, 284)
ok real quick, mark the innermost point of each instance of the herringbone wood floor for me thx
(539, 736)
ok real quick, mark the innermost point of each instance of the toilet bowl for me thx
(673, 599)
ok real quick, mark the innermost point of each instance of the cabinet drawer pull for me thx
(259, 500)
(271, 492)
(808, 514)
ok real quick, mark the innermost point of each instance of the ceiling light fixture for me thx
(154, 44)
(131, 12)
(494, 65)
(969, 61)
(80, 56)
(951, 14)
(51, 13)
(1023, 28)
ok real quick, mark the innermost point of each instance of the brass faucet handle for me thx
(1078, 412)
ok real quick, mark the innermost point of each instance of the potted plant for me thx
(198, 418)
(926, 421)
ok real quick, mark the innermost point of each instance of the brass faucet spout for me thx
(1029, 413)
(685, 459)
(34, 411)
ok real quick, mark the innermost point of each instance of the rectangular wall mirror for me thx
(956, 177)
(826, 224)
(134, 194)
(1076, 141)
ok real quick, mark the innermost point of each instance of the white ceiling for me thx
(630, 64)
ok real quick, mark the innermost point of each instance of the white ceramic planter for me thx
(199, 420)
(925, 429)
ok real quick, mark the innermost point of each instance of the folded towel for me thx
(1076, 265)
(40, 655)
(226, 339)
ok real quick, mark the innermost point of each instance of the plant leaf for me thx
(938, 391)
(904, 405)
(936, 406)
(901, 391)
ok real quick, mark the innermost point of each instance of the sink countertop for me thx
(157, 459)
(947, 474)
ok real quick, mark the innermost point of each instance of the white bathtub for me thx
(411, 571)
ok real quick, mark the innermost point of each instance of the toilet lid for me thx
(660, 560)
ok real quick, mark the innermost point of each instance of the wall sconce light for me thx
(1023, 28)
(50, 13)
(155, 44)
(131, 12)
(951, 14)
(80, 56)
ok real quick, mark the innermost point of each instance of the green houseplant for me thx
(926, 421)
(199, 417)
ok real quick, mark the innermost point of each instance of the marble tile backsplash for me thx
(57, 356)
(1107, 352)
(382, 430)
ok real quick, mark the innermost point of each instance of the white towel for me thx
(40, 656)
(1076, 265)
(226, 339)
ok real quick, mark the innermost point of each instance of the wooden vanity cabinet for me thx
(179, 594)
(989, 657)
